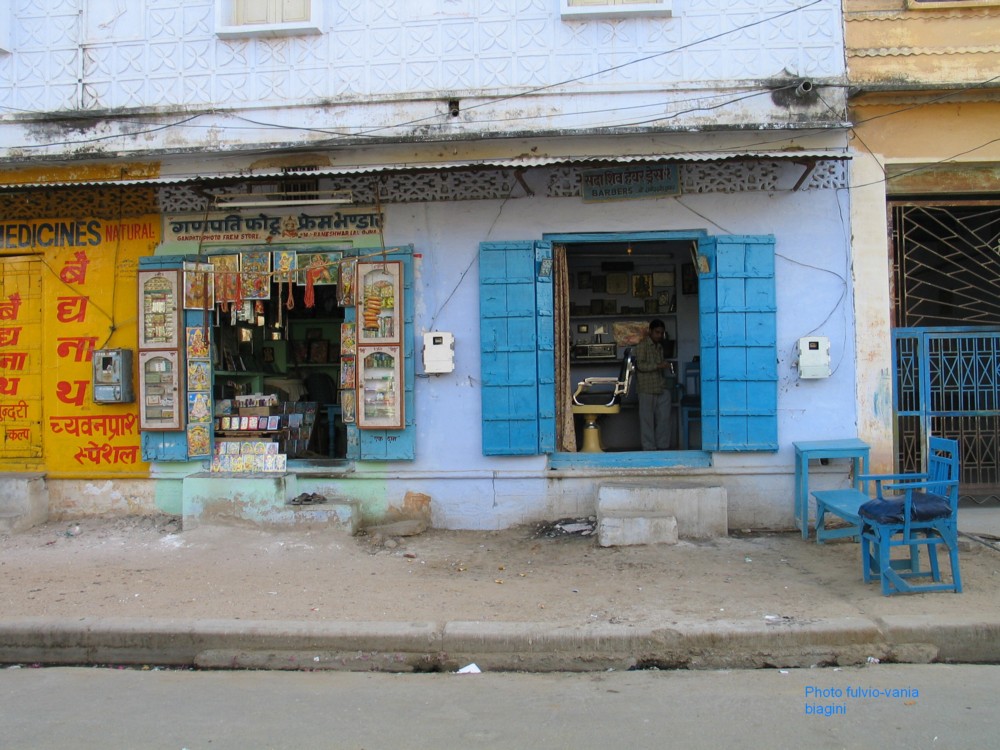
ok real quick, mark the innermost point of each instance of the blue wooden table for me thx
(852, 448)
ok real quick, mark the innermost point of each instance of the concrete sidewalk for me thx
(512, 600)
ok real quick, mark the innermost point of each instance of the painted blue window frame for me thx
(738, 329)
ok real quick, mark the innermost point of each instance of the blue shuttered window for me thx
(738, 344)
(518, 353)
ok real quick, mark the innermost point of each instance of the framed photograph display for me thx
(348, 338)
(348, 406)
(348, 372)
(285, 265)
(346, 274)
(617, 283)
(227, 272)
(195, 342)
(159, 309)
(199, 286)
(161, 390)
(663, 278)
(255, 273)
(380, 302)
(321, 268)
(199, 440)
(199, 375)
(319, 351)
(689, 279)
(380, 388)
(642, 285)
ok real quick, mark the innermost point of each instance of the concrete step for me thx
(24, 501)
(660, 512)
(263, 501)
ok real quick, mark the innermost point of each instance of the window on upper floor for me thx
(245, 18)
(583, 9)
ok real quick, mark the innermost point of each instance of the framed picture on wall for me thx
(255, 270)
(689, 279)
(348, 406)
(346, 274)
(617, 283)
(318, 268)
(348, 338)
(319, 351)
(642, 285)
(227, 272)
(199, 286)
(663, 278)
(285, 264)
(347, 373)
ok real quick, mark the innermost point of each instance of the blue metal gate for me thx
(947, 383)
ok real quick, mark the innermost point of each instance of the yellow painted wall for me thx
(905, 129)
(76, 279)
(895, 41)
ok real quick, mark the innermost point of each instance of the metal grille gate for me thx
(946, 384)
(946, 344)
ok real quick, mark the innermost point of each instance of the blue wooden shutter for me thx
(393, 445)
(739, 370)
(518, 348)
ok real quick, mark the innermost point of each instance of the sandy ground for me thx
(146, 567)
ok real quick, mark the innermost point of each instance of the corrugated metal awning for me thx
(514, 162)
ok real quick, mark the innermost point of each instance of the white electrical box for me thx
(814, 357)
(439, 352)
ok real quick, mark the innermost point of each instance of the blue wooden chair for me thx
(922, 511)
(689, 400)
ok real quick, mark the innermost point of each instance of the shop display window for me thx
(159, 310)
(380, 302)
(380, 387)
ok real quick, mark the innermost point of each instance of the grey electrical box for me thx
(112, 380)
(814, 357)
(439, 352)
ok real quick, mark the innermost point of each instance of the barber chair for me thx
(597, 396)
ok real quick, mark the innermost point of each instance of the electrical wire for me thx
(922, 167)
(610, 69)
(497, 100)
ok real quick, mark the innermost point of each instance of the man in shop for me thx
(654, 396)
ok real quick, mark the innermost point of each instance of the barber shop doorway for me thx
(615, 286)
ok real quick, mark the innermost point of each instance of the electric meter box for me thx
(112, 379)
(814, 357)
(439, 352)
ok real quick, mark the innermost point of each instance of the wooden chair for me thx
(923, 512)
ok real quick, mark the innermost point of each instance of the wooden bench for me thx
(841, 503)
